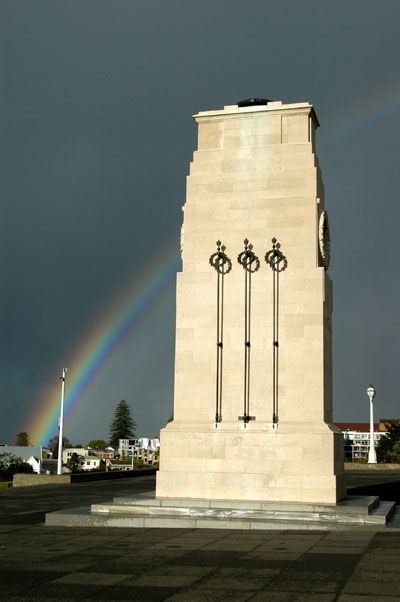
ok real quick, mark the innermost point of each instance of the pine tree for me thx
(123, 425)
(53, 445)
(22, 439)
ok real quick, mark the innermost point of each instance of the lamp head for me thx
(371, 392)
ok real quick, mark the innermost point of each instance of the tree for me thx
(22, 439)
(5, 460)
(73, 463)
(388, 446)
(17, 467)
(123, 425)
(10, 465)
(97, 444)
(394, 456)
(53, 445)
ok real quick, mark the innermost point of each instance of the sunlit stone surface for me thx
(254, 175)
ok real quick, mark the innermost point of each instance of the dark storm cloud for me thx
(96, 137)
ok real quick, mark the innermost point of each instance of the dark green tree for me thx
(123, 425)
(387, 448)
(18, 467)
(394, 456)
(22, 439)
(97, 444)
(10, 465)
(53, 445)
(73, 463)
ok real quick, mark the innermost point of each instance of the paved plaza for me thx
(56, 563)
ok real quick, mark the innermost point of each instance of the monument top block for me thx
(269, 106)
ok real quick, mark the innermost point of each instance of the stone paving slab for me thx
(192, 565)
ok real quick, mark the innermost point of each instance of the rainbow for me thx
(353, 119)
(129, 307)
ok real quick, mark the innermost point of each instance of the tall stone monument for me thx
(253, 366)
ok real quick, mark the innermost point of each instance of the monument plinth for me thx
(253, 366)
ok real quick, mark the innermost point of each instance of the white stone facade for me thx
(254, 175)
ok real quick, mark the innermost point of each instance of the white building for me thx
(357, 438)
(36, 464)
(25, 453)
(89, 463)
(69, 451)
(145, 449)
(126, 446)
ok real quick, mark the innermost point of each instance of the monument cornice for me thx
(271, 107)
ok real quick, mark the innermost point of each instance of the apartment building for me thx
(357, 437)
(145, 449)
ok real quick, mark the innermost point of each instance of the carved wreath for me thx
(324, 239)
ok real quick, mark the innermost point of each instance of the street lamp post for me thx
(372, 453)
(60, 428)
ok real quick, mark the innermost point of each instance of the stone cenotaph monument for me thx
(251, 444)
(253, 365)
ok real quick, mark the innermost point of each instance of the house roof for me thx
(362, 427)
(89, 458)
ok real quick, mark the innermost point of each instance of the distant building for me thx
(119, 465)
(357, 437)
(36, 464)
(49, 466)
(105, 454)
(126, 446)
(145, 449)
(89, 463)
(88, 459)
(25, 452)
(69, 451)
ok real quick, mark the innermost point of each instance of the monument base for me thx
(256, 462)
(144, 510)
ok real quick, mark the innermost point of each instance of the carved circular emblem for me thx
(324, 239)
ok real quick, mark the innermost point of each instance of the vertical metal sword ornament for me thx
(278, 263)
(222, 265)
(250, 263)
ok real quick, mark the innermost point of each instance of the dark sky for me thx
(96, 137)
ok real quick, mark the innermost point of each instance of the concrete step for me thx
(84, 517)
(385, 510)
(145, 511)
(327, 515)
(352, 504)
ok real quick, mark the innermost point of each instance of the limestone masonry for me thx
(254, 176)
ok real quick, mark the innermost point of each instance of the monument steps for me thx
(149, 512)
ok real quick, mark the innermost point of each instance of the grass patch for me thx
(5, 484)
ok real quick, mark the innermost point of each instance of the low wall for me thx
(83, 477)
(358, 467)
(26, 480)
